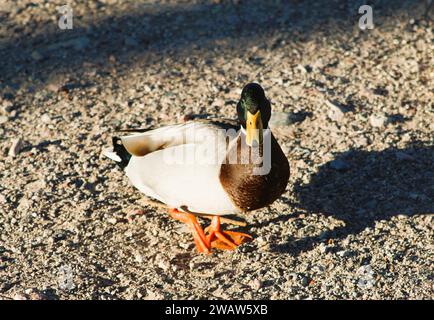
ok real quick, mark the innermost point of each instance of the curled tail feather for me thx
(118, 153)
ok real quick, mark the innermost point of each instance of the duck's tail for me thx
(118, 153)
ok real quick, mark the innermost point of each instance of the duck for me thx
(215, 167)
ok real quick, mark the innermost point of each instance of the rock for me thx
(162, 263)
(54, 86)
(36, 186)
(377, 121)
(34, 295)
(335, 112)
(17, 145)
(3, 119)
(256, 284)
(421, 45)
(361, 141)
(7, 106)
(339, 165)
(24, 204)
(37, 56)
(303, 69)
(219, 102)
(138, 257)
(412, 66)
(20, 296)
(281, 119)
(342, 253)
(112, 220)
(59, 235)
(323, 248)
(152, 295)
(45, 118)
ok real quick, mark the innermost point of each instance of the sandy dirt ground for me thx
(353, 111)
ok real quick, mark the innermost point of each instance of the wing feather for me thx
(180, 165)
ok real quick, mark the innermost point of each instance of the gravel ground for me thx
(353, 112)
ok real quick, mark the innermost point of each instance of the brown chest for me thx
(257, 177)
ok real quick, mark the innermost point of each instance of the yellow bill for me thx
(254, 128)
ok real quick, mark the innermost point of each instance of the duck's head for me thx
(254, 112)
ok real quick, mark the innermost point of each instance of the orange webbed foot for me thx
(225, 240)
(201, 241)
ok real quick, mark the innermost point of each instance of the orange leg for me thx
(202, 243)
(226, 240)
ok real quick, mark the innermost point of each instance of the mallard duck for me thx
(214, 167)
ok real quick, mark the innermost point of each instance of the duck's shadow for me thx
(361, 187)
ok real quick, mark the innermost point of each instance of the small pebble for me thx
(256, 284)
(112, 220)
(335, 113)
(16, 147)
(138, 257)
(20, 296)
(45, 118)
(37, 56)
(3, 119)
(377, 121)
(322, 248)
(281, 119)
(7, 106)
